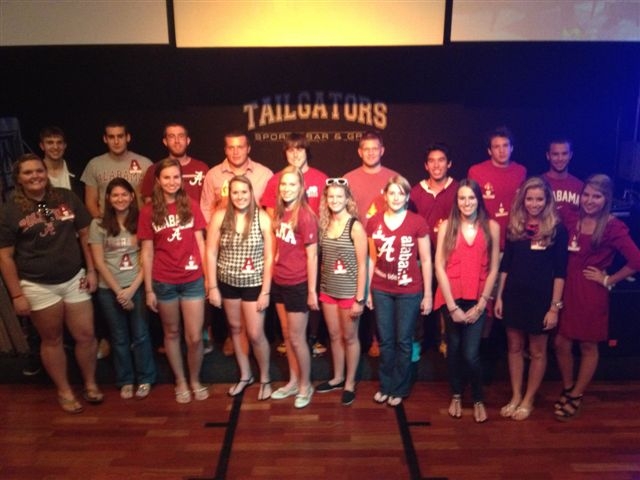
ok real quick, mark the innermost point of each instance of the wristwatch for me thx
(361, 301)
(559, 304)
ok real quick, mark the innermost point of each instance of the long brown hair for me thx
(516, 230)
(109, 219)
(183, 203)
(455, 218)
(299, 203)
(229, 220)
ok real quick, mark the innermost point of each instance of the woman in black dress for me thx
(531, 282)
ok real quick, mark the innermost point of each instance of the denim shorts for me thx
(246, 294)
(294, 297)
(168, 292)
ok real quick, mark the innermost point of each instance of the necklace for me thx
(469, 226)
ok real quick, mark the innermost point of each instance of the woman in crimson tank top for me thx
(466, 265)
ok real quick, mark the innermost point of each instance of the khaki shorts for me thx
(43, 295)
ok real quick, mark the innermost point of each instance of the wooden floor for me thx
(222, 438)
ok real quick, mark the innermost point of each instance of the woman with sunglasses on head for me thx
(239, 259)
(595, 238)
(466, 266)
(115, 248)
(400, 286)
(171, 229)
(294, 281)
(343, 278)
(47, 268)
(529, 298)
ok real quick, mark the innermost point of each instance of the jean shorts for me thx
(168, 292)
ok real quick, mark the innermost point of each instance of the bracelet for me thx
(486, 298)
(605, 283)
(13, 297)
(265, 293)
(91, 270)
(213, 288)
(454, 309)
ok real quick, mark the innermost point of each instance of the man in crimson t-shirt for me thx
(499, 178)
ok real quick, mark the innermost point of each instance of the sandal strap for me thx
(574, 403)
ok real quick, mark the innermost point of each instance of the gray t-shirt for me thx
(120, 253)
(102, 169)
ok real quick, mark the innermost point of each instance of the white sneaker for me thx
(303, 400)
(284, 392)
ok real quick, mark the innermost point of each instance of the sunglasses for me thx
(343, 182)
(44, 211)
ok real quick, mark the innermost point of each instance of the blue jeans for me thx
(130, 340)
(463, 352)
(396, 316)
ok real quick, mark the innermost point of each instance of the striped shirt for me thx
(339, 270)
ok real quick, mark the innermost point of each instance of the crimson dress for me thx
(585, 316)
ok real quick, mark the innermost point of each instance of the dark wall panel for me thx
(453, 93)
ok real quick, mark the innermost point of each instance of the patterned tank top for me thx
(339, 270)
(241, 262)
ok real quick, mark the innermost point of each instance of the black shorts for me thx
(246, 294)
(294, 297)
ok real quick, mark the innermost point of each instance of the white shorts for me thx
(42, 295)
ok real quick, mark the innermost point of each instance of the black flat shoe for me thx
(325, 387)
(348, 397)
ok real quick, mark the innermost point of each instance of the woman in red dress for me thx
(595, 237)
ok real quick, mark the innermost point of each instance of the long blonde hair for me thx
(300, 202)
(516, 229)
(603, 184)
(325, 211)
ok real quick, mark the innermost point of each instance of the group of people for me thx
(173, 235)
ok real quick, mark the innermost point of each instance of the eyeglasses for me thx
(343, 182)
(45, 211)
